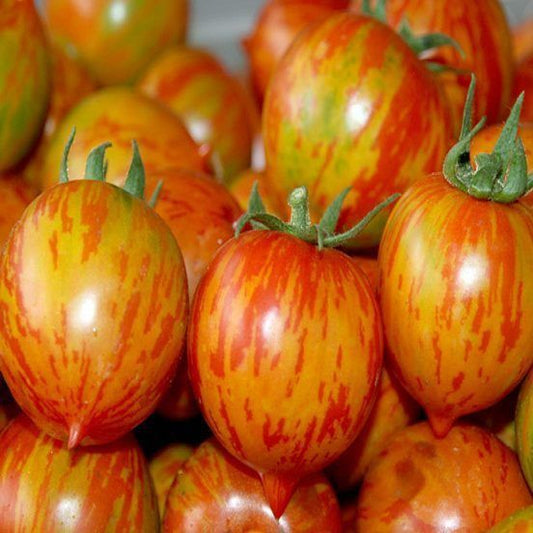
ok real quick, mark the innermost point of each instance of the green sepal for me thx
(63, 168)
(155, 195)
(300, 225)
(135, 180)
(95, 167)
(500, 176)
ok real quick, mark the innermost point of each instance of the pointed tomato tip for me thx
(75, 435)
(278, 489)
(440, 424)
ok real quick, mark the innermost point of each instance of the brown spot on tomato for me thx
(409, 480)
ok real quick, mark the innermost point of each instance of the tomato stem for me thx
(300, 224)
(500, 176)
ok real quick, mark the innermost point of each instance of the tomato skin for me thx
(483, 33)
(331, 118)
(119, 115)
(90, 338)
(524, 428)
(523, 82)
(24, 80)
(522, 34)
(212, 104)
(466, 481)
(456, 298)
(275, 311)
(164, 466)
(45, 487)
(116, 39)
(276, 27)
(214, 492)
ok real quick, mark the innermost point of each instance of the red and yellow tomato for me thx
(45, 487)
(351, 105)
(524, 428)
(466, 481)
(457, 298)
(116, 39)
(93, 310)
(24, 80)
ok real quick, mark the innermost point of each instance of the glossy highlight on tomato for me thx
(45, 487)
(301, 325)
(456, 298)
(93, 309)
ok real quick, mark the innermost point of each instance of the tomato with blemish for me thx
(116, 39)
(284, 352)
(210, 101)
(120, 115)
(351, 105)
(484, 36)
(466, 481)
(456, 297)
(24, 80)
(45, 487)
(214, 492)
(93, 309)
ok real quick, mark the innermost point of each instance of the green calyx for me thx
(500, 176)
(96, 169)
(300, 225)
(418, 43)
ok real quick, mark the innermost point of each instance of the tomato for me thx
(519, 522)
(394, 409)
(277, 25)
(70, 83)
(212, 104)
(484, 36)
(466, 481)
(164, 466)
(24, 80)
(334, 117)
(214, 492)
(455, 293)
(279, 312)
(119, 115)
(45, 487)
(116, 39)
(524, 428)
(15, 196)
(201, 213)
(93, 309)
(523, 81)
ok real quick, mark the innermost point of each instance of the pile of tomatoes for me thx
(294, 299)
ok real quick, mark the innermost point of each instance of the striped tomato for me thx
(210, 101)
(455, 287)
(116, 39)
(119, 115)
(24, 80)
(466, 481)
(284, 352)
(350, 104)
(45, 487)
(93, 306)
(214, 492)
(484, 36)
